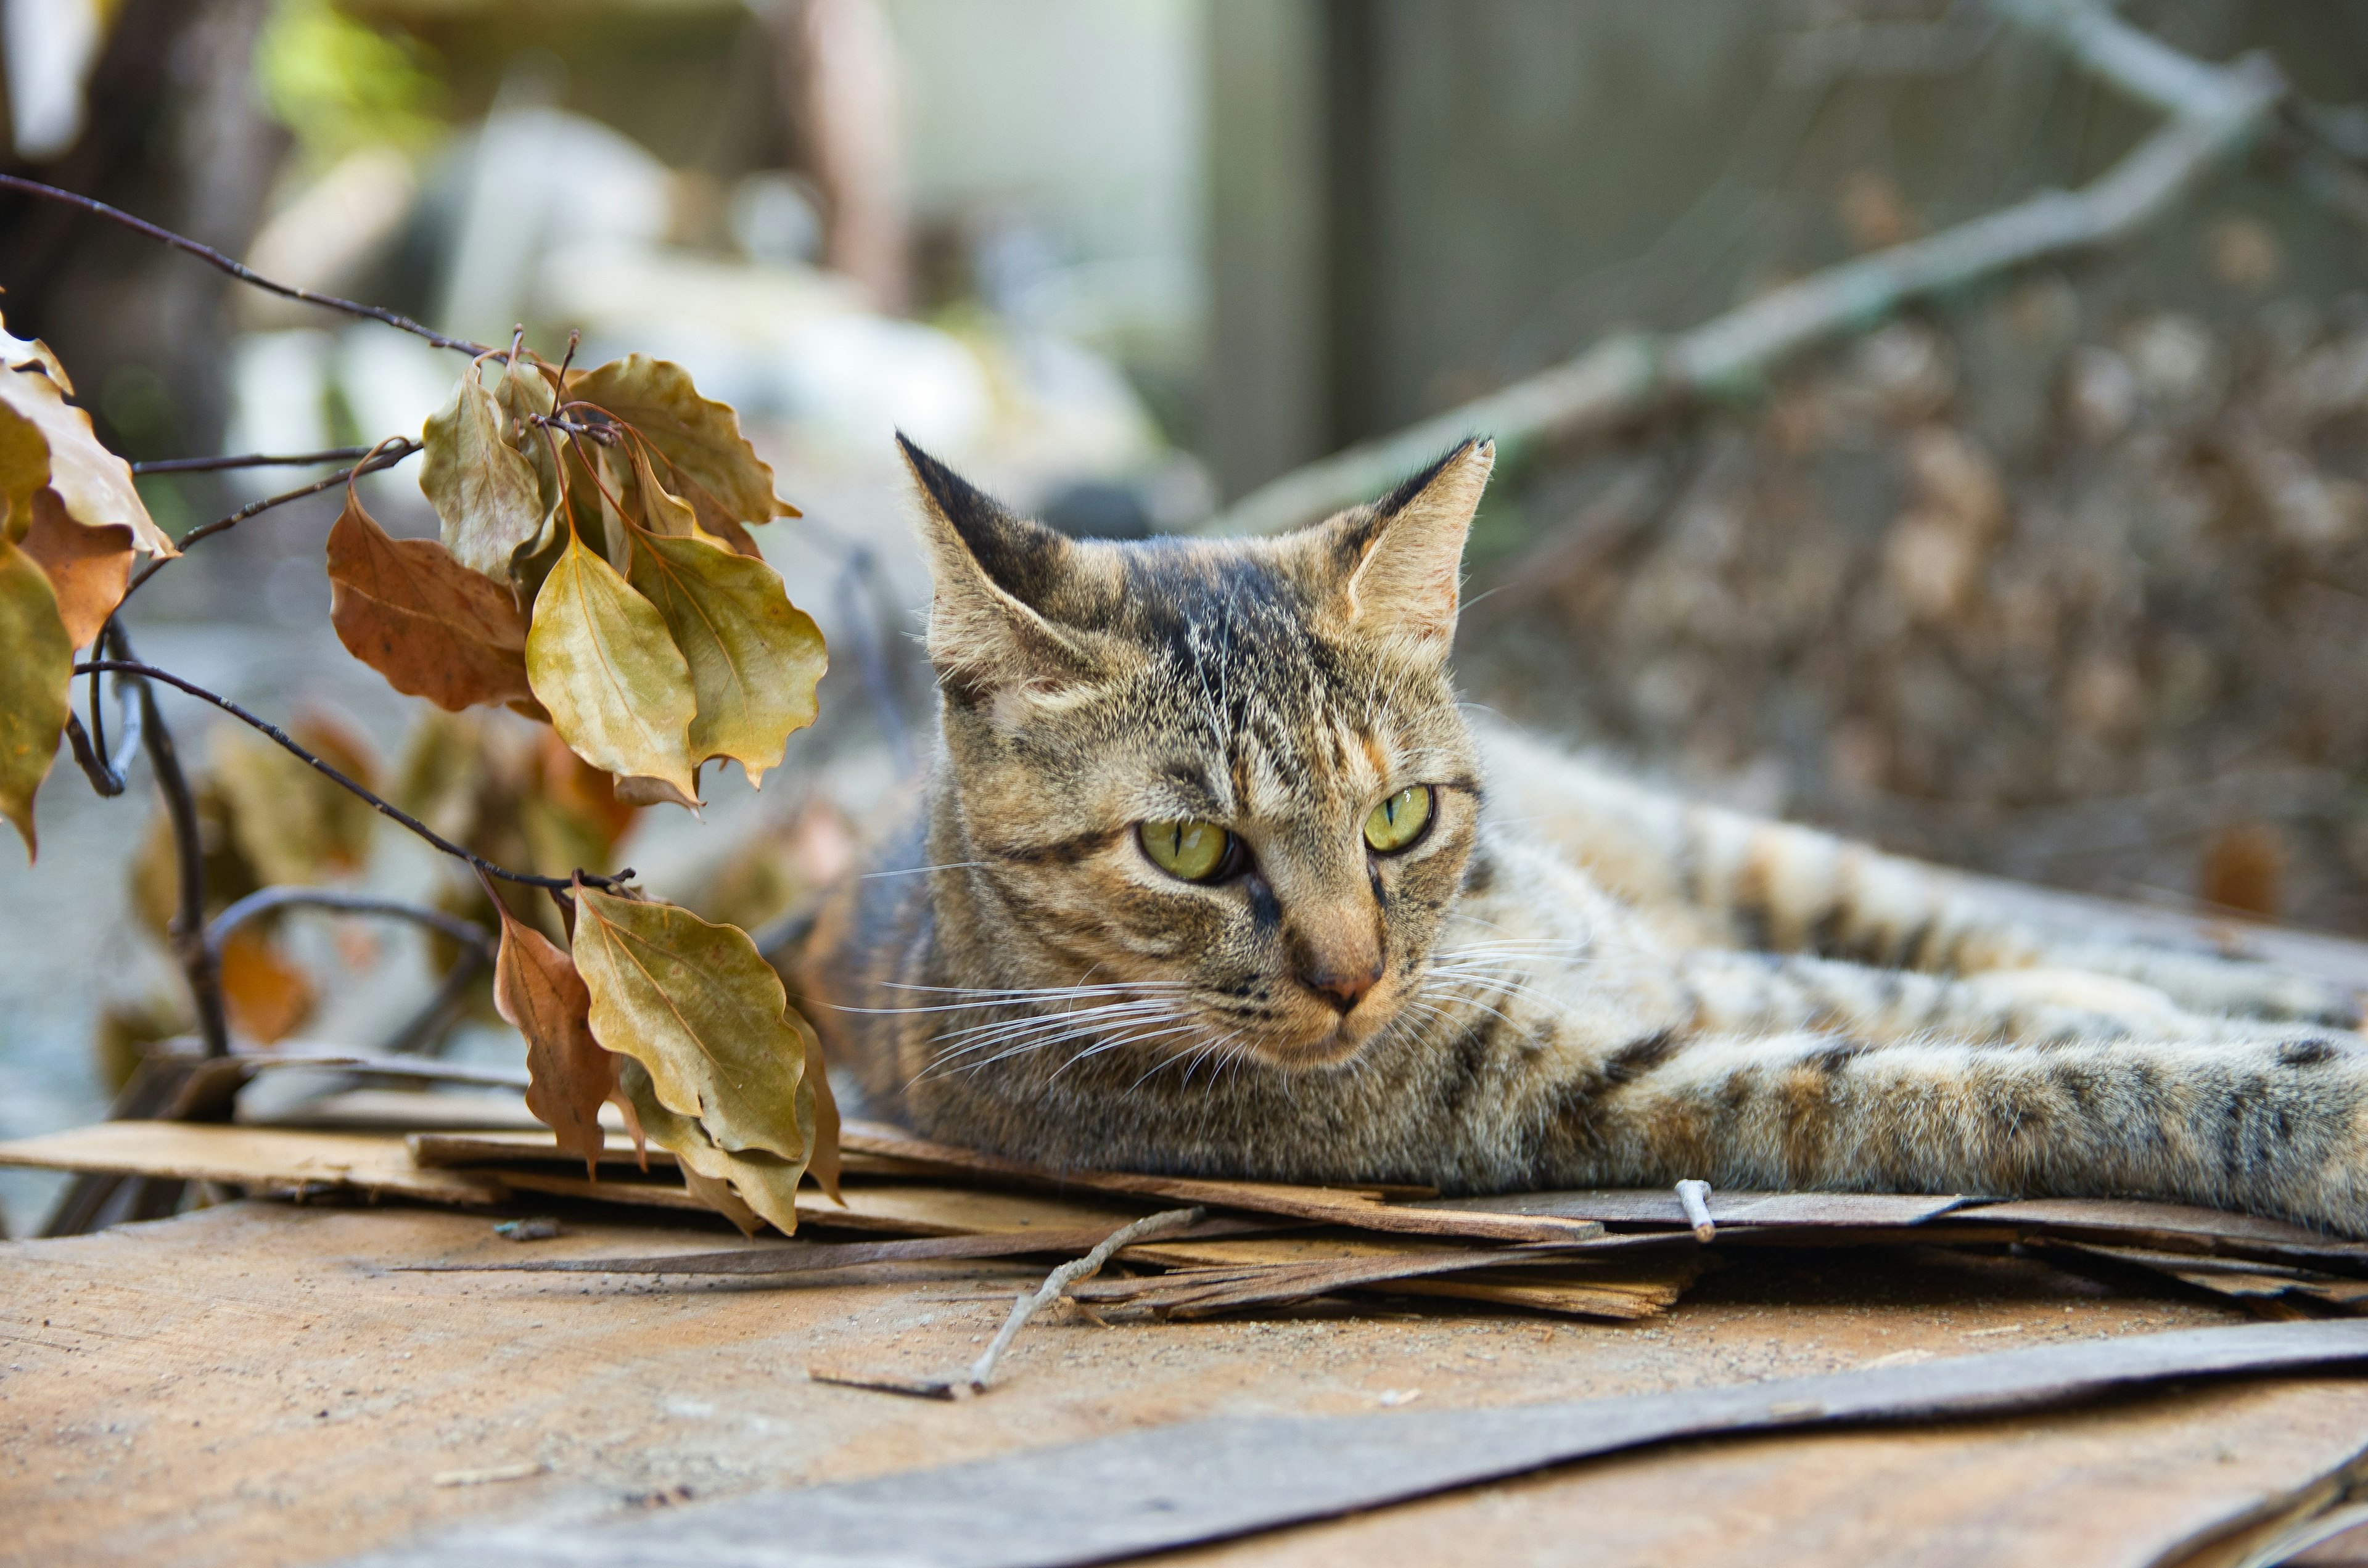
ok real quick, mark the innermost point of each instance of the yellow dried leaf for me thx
(701, 1009)
(743, 1185)
(599, 658)
(753, 656)
(94, 483)
(822, 1142)
(661, 511)
(483, 490)
(36, 667)
(709, 462)
(24, 469)
(31, 353)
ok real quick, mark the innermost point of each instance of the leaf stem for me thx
(383, 806)
(239, 270)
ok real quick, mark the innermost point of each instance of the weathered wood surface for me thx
(1207, 1481)
(254, 1384)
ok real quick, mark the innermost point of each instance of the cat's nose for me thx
(1344, 990)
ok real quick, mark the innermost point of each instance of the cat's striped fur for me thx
(1581, 980)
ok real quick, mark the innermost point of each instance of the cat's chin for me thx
(1327, 1046)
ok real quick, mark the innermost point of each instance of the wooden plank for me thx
(265, 1160)
(2137, 1217)
(794, 1257)
(403, 1110)
(896, 1208)
(1359, 1208)
(1619, 1294)
(1199, 1482)
(1659, 1206)
(537, 1144)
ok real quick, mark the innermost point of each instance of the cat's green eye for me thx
(1196, 851)
(1399, 821)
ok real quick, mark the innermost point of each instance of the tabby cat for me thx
(1213, 875)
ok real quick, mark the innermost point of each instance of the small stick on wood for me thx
(963, 1385)
(1694, 1196)
(1068, 1274)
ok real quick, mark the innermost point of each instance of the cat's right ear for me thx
(988, 636)
(1397, 564)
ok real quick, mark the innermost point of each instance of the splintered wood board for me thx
(268, 1160)
(1368, 1209)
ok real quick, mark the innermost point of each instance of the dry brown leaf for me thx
(536, 988)
(36, 667)
(600, 659)
(268, 997)
(88, 569)
(432, 627)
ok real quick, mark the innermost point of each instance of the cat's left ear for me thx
(1401, 560)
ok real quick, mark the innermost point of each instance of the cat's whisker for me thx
(998, 1034)
(1134, 1038)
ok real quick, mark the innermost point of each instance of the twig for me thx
(251, 460)
(383, 806)
(973, 1379)
(236, 269)
(468, 933)
(1694, 1196)
(2217, 112)
(1068, 1274)
(390, 452)
(187, 929)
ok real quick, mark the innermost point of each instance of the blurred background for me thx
(2063, 577)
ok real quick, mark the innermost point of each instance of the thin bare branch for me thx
(251, 460)
(468, 933)
(390, 452)
(239, 270)
(198, 962)
(2216, 114)
(383, 806)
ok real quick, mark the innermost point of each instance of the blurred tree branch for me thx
(2217, 113)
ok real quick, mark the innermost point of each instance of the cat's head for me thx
(1229, 775)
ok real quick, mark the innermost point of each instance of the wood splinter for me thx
(1694, 1198)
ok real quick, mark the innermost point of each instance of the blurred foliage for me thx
(339, 85)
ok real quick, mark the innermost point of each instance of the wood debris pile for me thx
(1606, 1255)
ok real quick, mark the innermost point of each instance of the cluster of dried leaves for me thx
(594, 571)
(72, 521)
